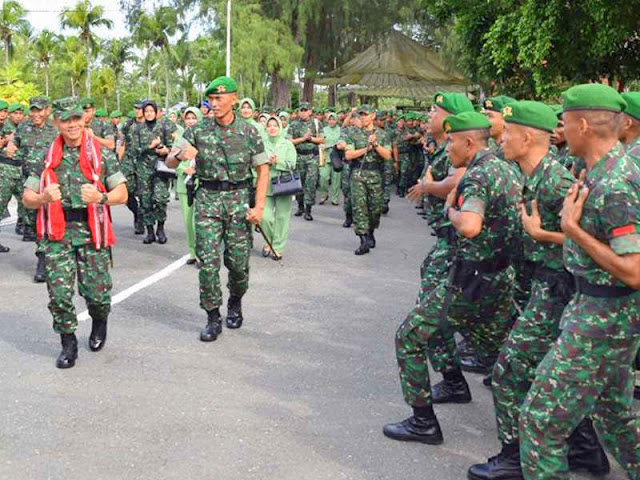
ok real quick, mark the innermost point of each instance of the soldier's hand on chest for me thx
(90, 194)
(155, 142)
(52, 193)
(11, 150)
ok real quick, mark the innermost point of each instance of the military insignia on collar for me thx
(221, 89)
(507, 112)
(439, 99)
(488, 104)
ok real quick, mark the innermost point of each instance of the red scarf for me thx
(51, 221)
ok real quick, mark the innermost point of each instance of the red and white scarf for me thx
(51, 221)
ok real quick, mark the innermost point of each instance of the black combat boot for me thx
(69, 353)
(162, 238)
(19, 228)
(421, 427)
(98, 336)
(465, 348)
(348, 220)
(371, 239)
(504, 466)
(213, 328)
(41, 269)
(636, 392)
(307, 213)
(452, 389)
(487, 380)
(234, 312)
(585, 451)
(4, 249)
(29, 235)
(300, 206)
(134, 207)
(364, 245)
(403, 192)
(151, 236)
(385, 207)
(476, 364)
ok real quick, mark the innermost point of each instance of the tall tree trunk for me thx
(73, 88)
(7, 45)
(87, 82)
(149, 81)
(280, 91)
(46, 80)
(117, 96)
(307, 90)
(332, 95)
(167, 87)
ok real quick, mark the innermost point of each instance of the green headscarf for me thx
(273, 141)
(331, 134)
(195, 111)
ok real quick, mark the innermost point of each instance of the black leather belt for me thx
(602, 291)
(365, 166)
(314, 151)
(223, 185)
(491, 265)
(76, 215)
(10, 161)
(444, 232)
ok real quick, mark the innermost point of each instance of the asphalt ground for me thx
(301, 391)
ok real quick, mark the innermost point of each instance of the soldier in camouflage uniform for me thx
(588, 371)
(76, 231)
(476, 296)
(128, 165)
(225, 149)
(100, 130)
(367, 154)
(560, 148)
(306, 135)
(152, 141)
(345, 180)
(526, 140)
(387, 174)
(28, 147)
(402, 154)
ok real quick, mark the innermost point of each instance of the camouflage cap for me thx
(87, 103)
(593, 96)
(453, 102)
(304, 106)
(465, 121)
(4, 105)
(221, 85)
(40, 102)
(633, 104)
(497, 103)
(366, 109)
(138, 103)
(14, 107)
(531, 114)
(66, 108)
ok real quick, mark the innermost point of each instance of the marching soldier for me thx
(128, 164)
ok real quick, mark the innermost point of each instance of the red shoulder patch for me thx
(626, 230)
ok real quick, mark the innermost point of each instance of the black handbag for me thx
(337, 159)
(287, 183)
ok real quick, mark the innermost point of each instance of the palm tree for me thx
(117, 52)
(44, 47)
(73, 63)
(182, 59)
(155, 31)
(85, 18)
(12, 22)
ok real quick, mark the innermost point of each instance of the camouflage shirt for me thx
(359, 138)
(33, 143)
(299, 128)
(71, 179)
(633, 149)
(402, 144)
(568, 161)
(491, 189)
(548, 185)
(226, 152)
(101, 129)
(440, 167)
(144, 133)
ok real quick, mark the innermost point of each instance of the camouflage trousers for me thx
(128, 170)
(404, 159)
(366, 191)
(220, 219)
(387, 179)
(485, 323)
(583, 376)
(529, 341)
(64, 262)
(345, 185)
(11, 184)
(307, 166)
(154, 197)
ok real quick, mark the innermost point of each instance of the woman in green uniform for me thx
(331, 137)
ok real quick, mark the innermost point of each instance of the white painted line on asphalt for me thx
(8, 221)
(147, 282)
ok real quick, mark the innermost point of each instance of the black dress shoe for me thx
(364, 245)
(160, 235)
(4, 249)
(213, 328)
(234, 312)
(475, 364)
(415, 429)
(501, 467)
(98, 336)
(69, 353)
(41, 269)
(585, 451)
(151, 236)
(451, 391)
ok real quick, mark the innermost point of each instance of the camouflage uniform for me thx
(483, 315)
(307, 162)
(404, 158)
(11, 180)
(225, 154)
(345, 180)
(588, 371)
(366, 181)
(76, 256)
(153, 190)
(128, 161)
(538, 327)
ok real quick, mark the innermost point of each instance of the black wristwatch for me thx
(104, 200)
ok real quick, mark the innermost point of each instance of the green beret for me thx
(221, 85)
(4, 105)
(66, 108)
(365, 109)
(593, 96)
(531, 114)
(131, 114)
(465, 121)
(304, 106)
(453, 103)
(101, 113)
(87, 103)
(116, 114)
(633, 104)
(497, 103)
(26, 110)
(557, 109)
(14, 107)
(40, 102)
